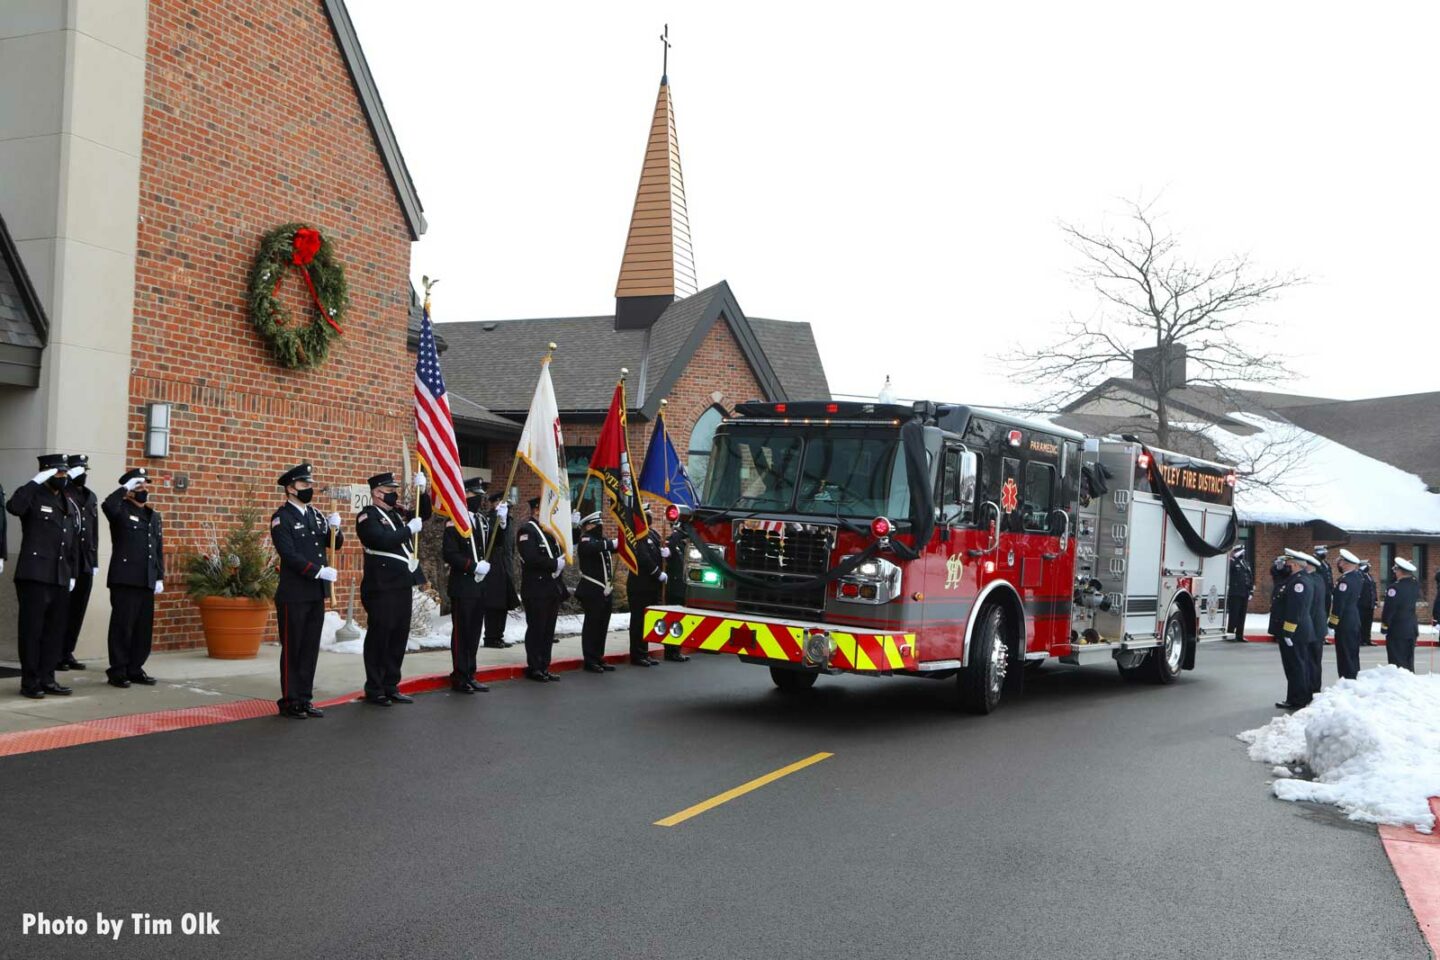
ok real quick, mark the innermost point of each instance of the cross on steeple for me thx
(665, 62)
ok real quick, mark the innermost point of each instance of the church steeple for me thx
(659, 265)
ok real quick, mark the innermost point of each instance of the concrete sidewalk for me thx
(189, 678)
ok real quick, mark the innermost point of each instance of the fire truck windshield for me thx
(763, 469)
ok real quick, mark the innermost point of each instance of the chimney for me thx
(1172, 376)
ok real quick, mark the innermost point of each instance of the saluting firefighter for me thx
(1239, 591)
(392, 571)
(597, 583)
(542, 590)
(87, 519)
(1345, 615)
(1398, 622)
(643, 590)
(499, 594)
(1295, 612)
(301, 534)
(465, 556)
(1368, 598)
(1327, 577)
(44, 574)
(136, 575)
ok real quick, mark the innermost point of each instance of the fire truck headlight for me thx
(694, 554)
(676, 629)
(868, 569)
(661, 627)
(818, 648)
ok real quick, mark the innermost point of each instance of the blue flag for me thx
(663, 477)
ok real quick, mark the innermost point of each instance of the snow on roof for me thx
(1331, 482)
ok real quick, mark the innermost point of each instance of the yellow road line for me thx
(740, 791)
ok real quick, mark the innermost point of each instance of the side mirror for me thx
(969, 465)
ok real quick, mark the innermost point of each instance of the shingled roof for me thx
(1404, 430)
(24, 328)
(493, 363)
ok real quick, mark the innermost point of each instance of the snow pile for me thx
(1373, 744)
(1330, 482)
(436, 631)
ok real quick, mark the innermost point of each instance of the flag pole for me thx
(515, 461)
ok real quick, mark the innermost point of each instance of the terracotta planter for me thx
(234, 626)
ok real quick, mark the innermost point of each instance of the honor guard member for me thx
(1327, 582)
(44, 574)
(301, 534)
(1398, 622)
(1241, 588)
(392, 571)
(136, 575)
(542, 590)
(597, 583)
(465, 556)
(1345, 615)
(1368, 597)
(87, 518)
(1320, 616)
(1297, 629)
(643, 589)
(499, 595)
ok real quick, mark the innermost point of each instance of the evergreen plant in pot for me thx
(232, 581)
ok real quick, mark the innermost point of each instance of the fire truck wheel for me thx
(792, 681)
(983, 680)
(1163, 664)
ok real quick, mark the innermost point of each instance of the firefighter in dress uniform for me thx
(392, 571)
(1294, 609)
(1241, 588)
(87, 516)
(644, 588)
(1398, 622)
(1345, 615)
(465, 556)
(597, 584)
(1326, 581)
(301, 534)
(44, 574)
(1368, 597)
(499, 596)
(542, 590)
(136, 575)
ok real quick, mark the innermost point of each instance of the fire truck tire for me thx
(981, 683)
(1163, 664)
(792, 681)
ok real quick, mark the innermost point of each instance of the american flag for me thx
(435, 431)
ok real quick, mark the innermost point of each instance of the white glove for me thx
(2, 566)
(614, 544)
(42, 476)
(72, 583)
(502, 511)
(75, 472)
(665, 553)
(159, 586)
(328, 573)
(334, 521)
(664, 576)
(95, 572)
(1288, 641)
(574, 518)
(414, 524)
(482, 569)
(132, 483)
(559, 565)
(420, 483)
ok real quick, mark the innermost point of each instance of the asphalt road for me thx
(1089, 819)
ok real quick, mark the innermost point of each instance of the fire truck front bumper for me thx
(818, 646)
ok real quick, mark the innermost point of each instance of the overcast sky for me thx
(894, 176)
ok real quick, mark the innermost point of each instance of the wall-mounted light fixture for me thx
(157, 429)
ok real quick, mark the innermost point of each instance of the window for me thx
(1387, 563)
(1417, 557)
(854, 477)
(1039, 496)
(957, 504)
(474, 454)
(697, 457)
(1245, 537)
(753, 469)
(577, 467)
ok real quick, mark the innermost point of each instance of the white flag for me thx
(542, 448)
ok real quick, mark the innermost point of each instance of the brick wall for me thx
(251, 121)
(1271, 540)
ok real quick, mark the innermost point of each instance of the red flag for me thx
(610, 464)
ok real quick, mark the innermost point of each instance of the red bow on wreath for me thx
(305, 245)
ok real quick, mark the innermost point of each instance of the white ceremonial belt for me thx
(393, 556)
(599, 583)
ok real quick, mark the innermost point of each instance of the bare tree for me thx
(1168, 322)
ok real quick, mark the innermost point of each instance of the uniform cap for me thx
(1302, 557)
(1321, 550)
(1238, 551)
(475, 485)
(534, 503)
(137, 474)
(298, 472)
(78, 460)
(53, 461)
(1348, 557)
(1403, 564)
(590, 518)
(386, 479)
(497, 495)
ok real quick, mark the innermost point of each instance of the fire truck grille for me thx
(783, 551)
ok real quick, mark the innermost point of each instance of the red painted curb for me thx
(1415, 857)
(162, 721)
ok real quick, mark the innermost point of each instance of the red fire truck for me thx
(946, 541)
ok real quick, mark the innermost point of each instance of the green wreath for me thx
(298, 344)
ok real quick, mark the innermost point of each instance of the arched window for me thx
(697, 458)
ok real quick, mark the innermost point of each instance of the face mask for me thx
(56, 483)
(80, 480)
(474, 503)
(140, 496)
(391, 498)
(304, 495)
